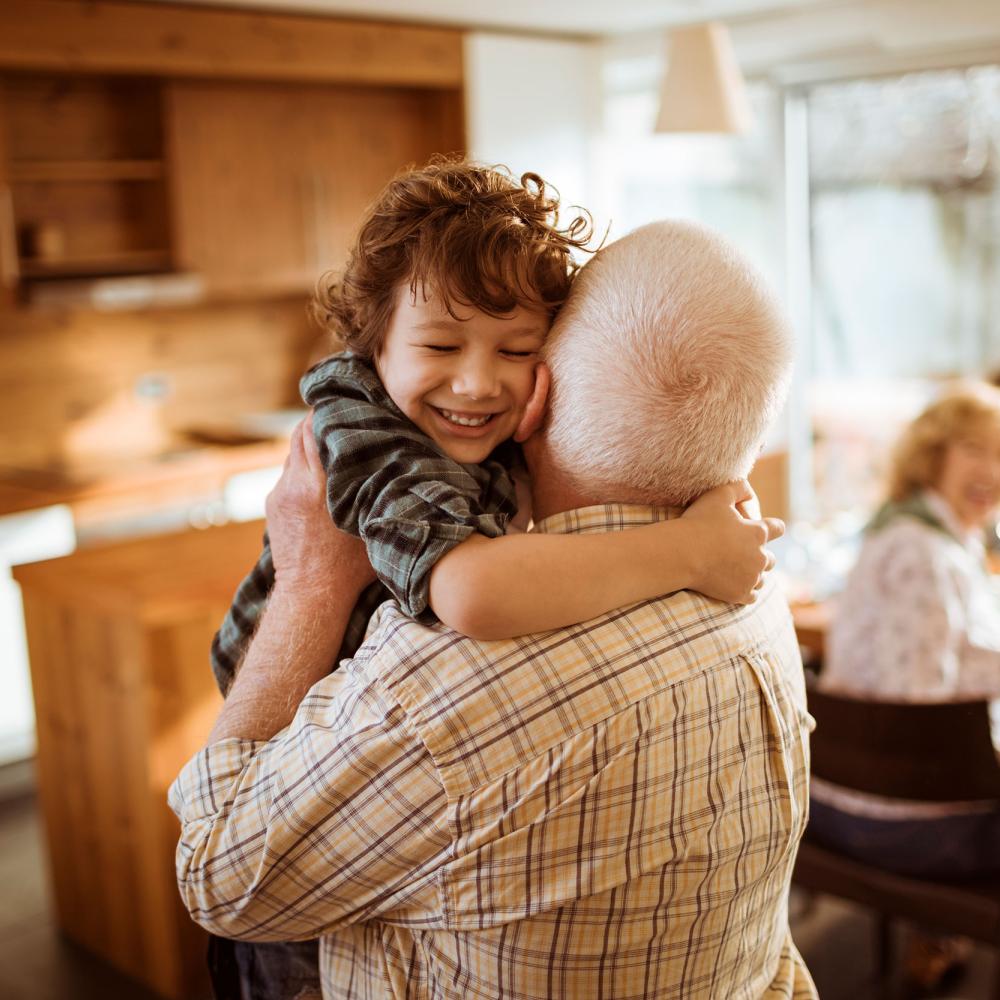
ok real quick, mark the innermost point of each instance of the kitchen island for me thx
(51, 509)
(118, 639)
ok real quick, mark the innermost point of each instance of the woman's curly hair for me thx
(473, 235)
(963, 411)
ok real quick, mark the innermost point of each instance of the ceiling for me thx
(793, 39)
(576, 17)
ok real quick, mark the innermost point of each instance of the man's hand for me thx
(730, 554)
(311, 555)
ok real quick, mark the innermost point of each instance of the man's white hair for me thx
(669, 360)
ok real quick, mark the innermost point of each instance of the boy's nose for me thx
(476, 381)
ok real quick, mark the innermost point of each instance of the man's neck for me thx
(552, 490)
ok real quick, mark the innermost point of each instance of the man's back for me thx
(608, 810)
(624, 801)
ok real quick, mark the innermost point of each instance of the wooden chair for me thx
(927, 752)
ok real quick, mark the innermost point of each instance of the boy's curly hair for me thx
(472, 234)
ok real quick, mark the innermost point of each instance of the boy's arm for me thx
(231, 641)
(502, 587)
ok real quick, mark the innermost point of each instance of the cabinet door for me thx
(240, 206)
(270, 180)
(361, 138)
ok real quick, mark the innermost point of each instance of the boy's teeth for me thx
(465, 421)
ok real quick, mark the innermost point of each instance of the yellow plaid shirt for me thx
(605, 811)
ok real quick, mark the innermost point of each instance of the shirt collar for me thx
(604, 517)
(972, 540)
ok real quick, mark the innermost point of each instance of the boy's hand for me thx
(311, 555)
(729, 558)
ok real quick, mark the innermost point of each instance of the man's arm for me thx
(305, 813)
(341, 818)
(297, 640)
(319, 574)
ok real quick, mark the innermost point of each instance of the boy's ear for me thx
(534, 412)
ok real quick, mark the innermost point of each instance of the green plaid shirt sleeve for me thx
(387, 483)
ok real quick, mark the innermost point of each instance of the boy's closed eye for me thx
(449, 348)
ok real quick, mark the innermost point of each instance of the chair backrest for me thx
(929, 752)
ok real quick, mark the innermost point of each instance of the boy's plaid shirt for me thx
(388, 483)
(607, 810)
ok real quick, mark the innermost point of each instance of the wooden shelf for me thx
(33, 171)
(84, 160)
(126, 262)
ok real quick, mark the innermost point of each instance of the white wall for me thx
(534, 104)
(27, 537)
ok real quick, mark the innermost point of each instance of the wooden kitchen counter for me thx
(156, 580)
(189, 470)
(119, 639)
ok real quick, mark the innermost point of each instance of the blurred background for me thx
(175, 177)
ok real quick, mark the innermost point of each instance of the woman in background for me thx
(919, 620)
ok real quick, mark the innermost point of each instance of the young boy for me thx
(444, 306)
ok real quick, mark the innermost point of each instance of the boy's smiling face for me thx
(464, 382)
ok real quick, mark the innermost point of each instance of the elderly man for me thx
(608, 810)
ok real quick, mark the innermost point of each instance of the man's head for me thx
(669, 360)
(450, 289)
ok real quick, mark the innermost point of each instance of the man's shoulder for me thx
(539, 690)
(397, 644)
(391, 629)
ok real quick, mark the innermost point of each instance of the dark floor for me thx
(837, 939)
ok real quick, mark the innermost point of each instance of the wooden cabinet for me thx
(85, 177)
(255, 187)
(118, 640)
(276, 131)
(270, 180)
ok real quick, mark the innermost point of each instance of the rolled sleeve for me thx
(339, 819)
(205, 780)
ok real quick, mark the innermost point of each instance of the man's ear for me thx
(534, 412)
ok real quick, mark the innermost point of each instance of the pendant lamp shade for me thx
(703, 89)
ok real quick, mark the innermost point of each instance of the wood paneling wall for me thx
(71, 383)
